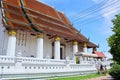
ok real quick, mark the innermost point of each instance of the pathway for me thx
(107, 77)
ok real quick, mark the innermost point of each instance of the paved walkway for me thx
(107, 77)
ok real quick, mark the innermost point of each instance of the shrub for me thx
(115, 71)
(77, 60)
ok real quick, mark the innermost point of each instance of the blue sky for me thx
(91, 17)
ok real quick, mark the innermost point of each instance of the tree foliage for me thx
(114, 39)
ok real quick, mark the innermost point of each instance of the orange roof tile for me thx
(33, 13)
(13, 2)
(40, 7)
(38, 21)
(10, 7)
(15, 25)
(64, 18)
(14, 15)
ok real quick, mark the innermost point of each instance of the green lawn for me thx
(78, 77)
(82, 77)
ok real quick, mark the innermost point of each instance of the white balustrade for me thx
(85, 62)
(30, 65)
(32, 60)
(4, 59)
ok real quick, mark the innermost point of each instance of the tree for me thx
(114, 39)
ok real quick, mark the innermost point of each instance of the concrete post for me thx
(40, 46)
(57, 48)
(11, 43)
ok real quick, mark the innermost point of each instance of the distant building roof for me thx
(99, 54)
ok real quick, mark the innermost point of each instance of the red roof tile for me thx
(99, 54)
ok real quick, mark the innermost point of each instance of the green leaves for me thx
(114, 39)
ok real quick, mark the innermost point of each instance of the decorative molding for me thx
(75, 43)
(85, 44)
(40, 35)
(12, 33)
(57, 38)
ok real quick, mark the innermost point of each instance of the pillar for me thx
(40, 46)
(11, 43)
(81, 59)
(57, 48)
(75, 47)
(84, 47)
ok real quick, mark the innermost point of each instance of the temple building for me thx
(36, 38)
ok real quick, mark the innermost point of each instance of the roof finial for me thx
(98, 45)
(88, 38)
(79, 30)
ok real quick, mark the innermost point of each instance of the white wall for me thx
(47, 45)
(26, 43)
(69, 50)
(3, 37)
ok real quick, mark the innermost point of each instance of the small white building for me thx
(38, 41)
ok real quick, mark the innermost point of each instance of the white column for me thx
(75, 47)
(40, 46)
(81, 59)
(11, 43)
(85, 47)
(57, 48)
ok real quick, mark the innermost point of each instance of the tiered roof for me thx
(13, 16)
(38, 17)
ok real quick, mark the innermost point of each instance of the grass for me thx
(82, 77)
(85, 77)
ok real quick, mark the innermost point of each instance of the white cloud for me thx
(109, 9)
(108, 55)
